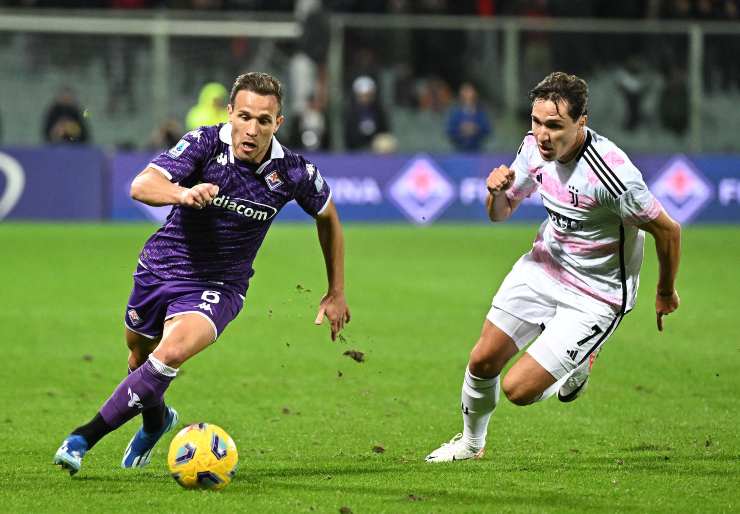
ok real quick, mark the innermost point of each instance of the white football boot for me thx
(577, 382)
(455, 450)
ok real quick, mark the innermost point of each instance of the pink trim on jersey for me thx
(613, 159)
(591, 176)
(580, 246)
(649, 214)
(529, 140)
(586, 202)
(515, 194)
(553, 187)
(541, 256)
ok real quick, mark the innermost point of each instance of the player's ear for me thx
(278, 122)
(229, 109)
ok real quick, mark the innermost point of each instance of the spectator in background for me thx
(64, 121)
(166, 135)
(674, 100)
(211, 107)
(468, 124)
(365, 116)
(633, 85)
(307, 74)
(310, 129)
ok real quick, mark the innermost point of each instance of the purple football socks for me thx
(142, 389)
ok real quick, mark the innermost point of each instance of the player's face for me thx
(556, 132)
(254, 119)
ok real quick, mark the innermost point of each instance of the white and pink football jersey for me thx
(590, 242)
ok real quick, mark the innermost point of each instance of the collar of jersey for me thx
(276, 149)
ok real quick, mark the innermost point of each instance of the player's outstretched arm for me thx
(667, 235)
(153, 188)
(333, 304)
(500, 208)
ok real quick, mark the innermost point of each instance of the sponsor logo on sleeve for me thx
(177, 150)
(273, 180)
(682, 189)
(310, 169)
(318, 181)
(195, 133)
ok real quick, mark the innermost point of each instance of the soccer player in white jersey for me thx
(572, 289)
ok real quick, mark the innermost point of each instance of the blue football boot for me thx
(69, 455)
(139, 450)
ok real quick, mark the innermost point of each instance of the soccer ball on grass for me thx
(202, 456)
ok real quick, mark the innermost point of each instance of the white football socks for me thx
(552, 389)
(479, 399)
(162, 368)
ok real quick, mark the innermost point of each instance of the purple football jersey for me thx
(219, 243)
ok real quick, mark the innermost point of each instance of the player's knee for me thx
(172, 354)
(483, 363)
(517, 392)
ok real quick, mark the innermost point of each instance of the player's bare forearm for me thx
(667, 235)
(153, 188)
(333, 304)
(498, 204)
(499, 207)
(331, 240)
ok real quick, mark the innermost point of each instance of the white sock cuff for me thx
(479, 383)
(162, 368)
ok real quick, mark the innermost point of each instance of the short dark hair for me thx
(559, 86)
(260, 83)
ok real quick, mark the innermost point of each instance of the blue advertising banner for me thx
(54, 183)
(70, 183)
(423, 189)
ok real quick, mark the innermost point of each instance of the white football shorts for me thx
(568, 326)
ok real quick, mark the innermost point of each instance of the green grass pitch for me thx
(656, 432)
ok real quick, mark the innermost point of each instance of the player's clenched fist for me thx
(499, 180)
(199, 195)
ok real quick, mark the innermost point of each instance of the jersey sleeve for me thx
(523, 185)
(635, 204)
(312, 192)
(185, 157)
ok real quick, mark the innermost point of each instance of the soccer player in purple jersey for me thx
(569, 293)
(226, 184)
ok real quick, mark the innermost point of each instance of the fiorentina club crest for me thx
(422, 191)
(133, 317)
(273, 180)
(681, 189)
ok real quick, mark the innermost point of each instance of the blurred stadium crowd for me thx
(395, 83)
(696, 9)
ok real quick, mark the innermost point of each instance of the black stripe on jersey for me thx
(586, 143)
(595, 161)
(622, 310)
(607, 168)
(606, 179)
(530, 133)
(607, 172)
(598, 172)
